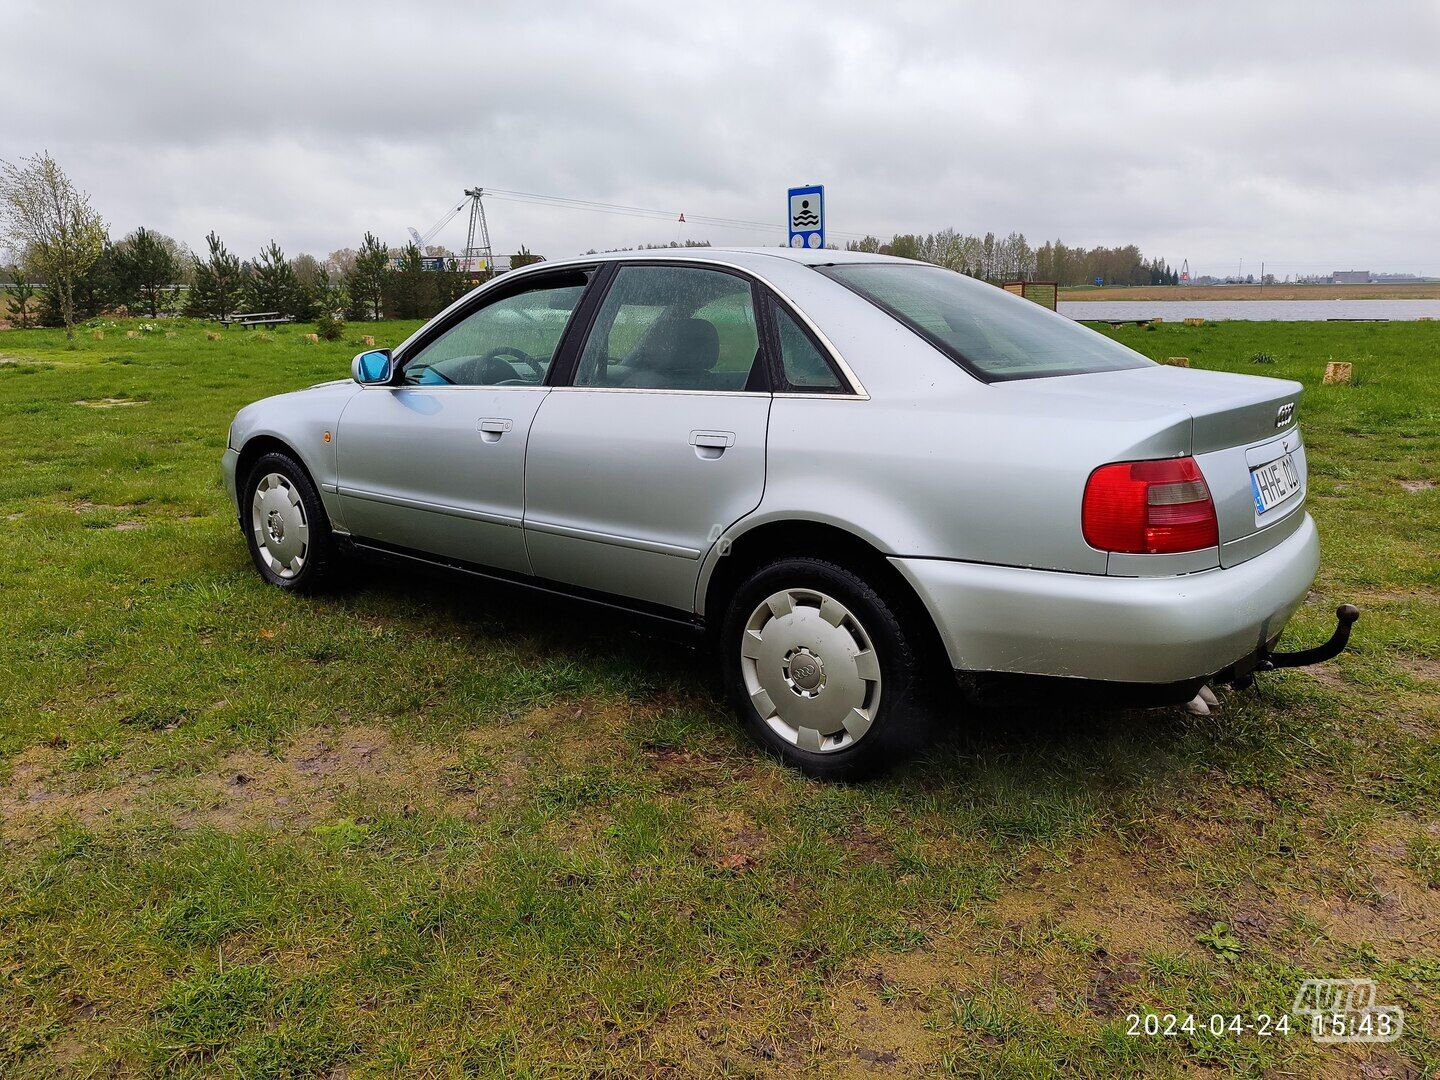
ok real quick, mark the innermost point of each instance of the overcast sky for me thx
(1307, 136)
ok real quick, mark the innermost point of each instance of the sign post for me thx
(807, 216)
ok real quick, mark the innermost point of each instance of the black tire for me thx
(319, 558)
(902, 724)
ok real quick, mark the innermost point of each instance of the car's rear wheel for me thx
(285, 525)
(823, 669)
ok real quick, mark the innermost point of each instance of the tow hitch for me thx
(1345, 616)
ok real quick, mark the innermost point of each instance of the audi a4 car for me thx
(866, 483)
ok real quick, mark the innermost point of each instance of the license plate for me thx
(1274, 482)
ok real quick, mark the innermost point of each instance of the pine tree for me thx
(365, 283)
(273, 285)
(219, 283)
(408, 285)
(147, 264)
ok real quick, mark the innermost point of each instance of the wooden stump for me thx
(314, 339)
(1337, 372)
(211, 335)
(169, 333)
(132, 333)
(1177, 361)
(98, 335)
(368, 341)
(1194, 322)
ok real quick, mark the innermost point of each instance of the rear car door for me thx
(435, 462)
(656, 443)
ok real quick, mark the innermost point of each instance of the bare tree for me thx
(52, 225)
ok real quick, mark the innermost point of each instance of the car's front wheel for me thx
(285, 524)
(823, 669)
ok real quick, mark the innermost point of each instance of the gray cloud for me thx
(1304, 134)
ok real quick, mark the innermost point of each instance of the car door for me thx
(435, 461)
(656, 442)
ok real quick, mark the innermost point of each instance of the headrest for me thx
(683, 345)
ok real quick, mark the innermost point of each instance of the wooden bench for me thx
(256, 318)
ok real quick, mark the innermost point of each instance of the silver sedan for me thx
(856, 476)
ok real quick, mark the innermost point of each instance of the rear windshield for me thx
(993, 334)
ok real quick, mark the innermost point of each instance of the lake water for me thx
(1251, 310)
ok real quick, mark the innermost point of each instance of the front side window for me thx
(673, 328)
(991, 333)
(509, 342)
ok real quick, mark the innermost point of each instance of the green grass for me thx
(418, 829)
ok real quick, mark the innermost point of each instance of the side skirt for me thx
(669, 623)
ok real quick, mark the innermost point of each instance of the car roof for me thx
(753, 258)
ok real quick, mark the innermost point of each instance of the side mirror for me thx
(372, 367)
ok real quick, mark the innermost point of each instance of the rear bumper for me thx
(1130, 630)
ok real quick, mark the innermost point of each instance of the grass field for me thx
(413, 830)
(1422, 290)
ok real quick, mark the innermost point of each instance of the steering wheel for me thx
(500, 352)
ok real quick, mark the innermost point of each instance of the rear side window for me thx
(673, 328)
(805, 366)
(993, 334)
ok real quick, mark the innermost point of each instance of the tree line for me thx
(1011, 258)
(69, 270)
(64, 245)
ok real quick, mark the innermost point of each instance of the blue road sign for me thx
(807, 216)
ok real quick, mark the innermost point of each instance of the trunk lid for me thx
(1238, 423)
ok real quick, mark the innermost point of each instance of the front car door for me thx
(656, 444)
(435, 462)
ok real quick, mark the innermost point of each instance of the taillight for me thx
(1149, 508)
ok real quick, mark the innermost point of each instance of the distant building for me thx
(1350, 277)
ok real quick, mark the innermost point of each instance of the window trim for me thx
(478, 300)
(565, 379)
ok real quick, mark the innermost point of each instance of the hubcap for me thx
(810, 670)
(277, 517)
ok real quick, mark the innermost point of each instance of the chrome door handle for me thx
(492, 427)
(711, 444)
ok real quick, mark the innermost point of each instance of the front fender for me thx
(302, 421)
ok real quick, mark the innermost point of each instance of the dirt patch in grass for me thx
(1128, 901)
(111, 403)
(732, 842)
(1414, 486)
(467, 776)
(1424, 668)
(879, 1010)
(243, 789)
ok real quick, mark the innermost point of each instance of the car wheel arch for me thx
(774, 540)
(257, 446)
